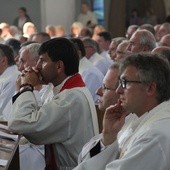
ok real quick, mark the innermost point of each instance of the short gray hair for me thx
(33, 49)
(90, 42)
(151, 68)
(147, 39)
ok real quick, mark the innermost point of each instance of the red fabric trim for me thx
(74, 81)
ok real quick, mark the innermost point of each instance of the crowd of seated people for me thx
(53, 84)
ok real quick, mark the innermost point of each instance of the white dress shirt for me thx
(101, 63)
(92, 76)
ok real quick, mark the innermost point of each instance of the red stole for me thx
(72, 82)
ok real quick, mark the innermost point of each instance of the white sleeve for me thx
(146, 153)
(7, 90)
(85, 153)
(99, 161)
(93, 82)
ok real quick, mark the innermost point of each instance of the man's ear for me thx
(152, 89)
(4, 61)
(60, 66)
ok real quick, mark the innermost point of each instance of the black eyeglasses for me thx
(107, 88)
(123, 82)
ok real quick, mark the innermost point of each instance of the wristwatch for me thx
(26, 87)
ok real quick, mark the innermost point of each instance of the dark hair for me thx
(79, 46)
(166, 53)
(27, 43)
(64, 50)
(148, 27)
(106, 35)
(87, 32)
(23, 9)
(7, 51)
(44, 36)
(14, 44)
(151, 68)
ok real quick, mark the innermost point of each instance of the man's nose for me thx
(129, 47)
(119, 89)
(99, 91)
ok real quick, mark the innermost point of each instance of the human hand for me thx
(114, 119)
(29, 76)
(18, 83)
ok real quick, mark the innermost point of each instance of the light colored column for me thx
(57, 12)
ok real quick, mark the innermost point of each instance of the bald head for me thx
(141, 41)
(163, 30)
(160, 49)
(165, 40)
(131, 29)
(163, 51)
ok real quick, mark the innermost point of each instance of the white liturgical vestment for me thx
(147, 148)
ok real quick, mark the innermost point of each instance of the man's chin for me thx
(100, 107)
(123, 104)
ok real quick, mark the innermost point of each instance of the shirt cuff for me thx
(102, 146)
(18, 94)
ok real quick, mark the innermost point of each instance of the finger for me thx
(35, 69)
(24, 72)
(28, 69)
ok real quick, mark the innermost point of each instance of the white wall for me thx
(9, 10)
(58, 12)
(42, 12)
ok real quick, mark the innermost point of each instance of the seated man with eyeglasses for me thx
(144, 90)
(107, 97)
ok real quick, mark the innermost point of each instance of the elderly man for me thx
(91, 76)
(28, 58)
(163, 30)
(163, 51)
(165, 40)
(113, 46)
(131, 29)
(141, 41)
(93, 56)
(144, 90)
(121, 50)
(64, 124)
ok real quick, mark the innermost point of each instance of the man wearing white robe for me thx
(145, 91)
(65, 123)
(94, 57)
(91, 76)
(28, 58)
(8, 76)
(104, 40)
